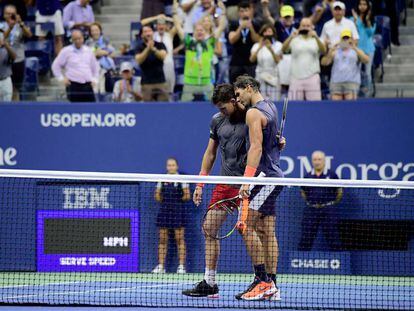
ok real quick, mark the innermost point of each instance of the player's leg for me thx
(208, 286)
(181, 249)
(162, 250)
(262, 286)
(266, 230)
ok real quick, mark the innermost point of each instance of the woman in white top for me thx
(267, 53)
(165, 35)
(305, 48)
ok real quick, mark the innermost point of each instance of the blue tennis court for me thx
(146, 290)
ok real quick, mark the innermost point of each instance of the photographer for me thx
(305, 48)
(14, 32)
(346, 69)
(7, 55)
(267, 53)
(243, 34)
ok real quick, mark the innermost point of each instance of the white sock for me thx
(210, 277)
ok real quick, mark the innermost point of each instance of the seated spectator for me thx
(242, 35)
(76, 66)
(322, 13)
(128, 89)
(7, 56)
(284, 28)
(171, 216)
(267, 53)
(150, 56)
(104, 53)
(78, 14)
(331, 31)
(346, 71)
(198, 66)
(321, 211)
(305, 48)
(15, 31)
(364, 21)
(165, 35)
(50, 11)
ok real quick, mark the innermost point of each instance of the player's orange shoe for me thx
(261, 291)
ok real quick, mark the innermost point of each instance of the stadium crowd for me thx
(306, 50)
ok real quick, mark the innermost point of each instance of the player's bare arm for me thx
(255, 122)
(207, 163)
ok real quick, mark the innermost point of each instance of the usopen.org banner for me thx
(368, 139)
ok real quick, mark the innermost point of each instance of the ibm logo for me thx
(82, 198)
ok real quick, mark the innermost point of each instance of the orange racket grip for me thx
(241, 225)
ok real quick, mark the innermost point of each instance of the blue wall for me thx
(364, 139)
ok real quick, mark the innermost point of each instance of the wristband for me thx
(250, 171)
(202, 173)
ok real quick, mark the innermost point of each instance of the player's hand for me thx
(241, 226)
(281, 142)
(197, 195)
(244, 191)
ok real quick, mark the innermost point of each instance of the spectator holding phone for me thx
(346, 72)
(7, 55)
(15, 31)
(267, 53)
(305, 48)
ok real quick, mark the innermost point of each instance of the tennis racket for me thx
(284, 114)
(232, 208)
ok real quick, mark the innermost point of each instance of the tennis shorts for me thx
(263, 199)
(222, 192)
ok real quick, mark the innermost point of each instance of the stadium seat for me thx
(125, 58)
(31, 78)
(42, 50)
(31, 13)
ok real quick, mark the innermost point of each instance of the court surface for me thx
(164, 291)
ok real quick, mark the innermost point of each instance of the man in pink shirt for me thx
(77, 67)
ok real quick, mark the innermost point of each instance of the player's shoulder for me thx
(218, 117)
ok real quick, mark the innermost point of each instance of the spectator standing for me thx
(20, 6)
(15, 31)
(305, 48)
(322, 13)
(321, 208)
(242, 35)
(267, 53)
(104, 53)
(7, 56)
(150, 56)
(50, 11)
(165, 36)
(188, 8)
(127, 89)
(171, 216)
(78, 14)
(331, 31)
(346, 70)
(206, 8)
(81, 69)
(198, 66)
(284, 28)
(364, 21)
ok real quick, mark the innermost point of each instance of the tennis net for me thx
(84, 238)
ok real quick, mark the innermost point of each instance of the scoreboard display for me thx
(98, 240)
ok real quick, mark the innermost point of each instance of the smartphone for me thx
(344, 45)
(13, 17)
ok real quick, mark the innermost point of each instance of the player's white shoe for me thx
(159, 269)
(275, 296)
(181, 269)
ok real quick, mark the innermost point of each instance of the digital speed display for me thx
(99, 240)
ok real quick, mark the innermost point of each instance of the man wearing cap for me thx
(331, 31)
(346, 70)
(322, 13)
(127, 90)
